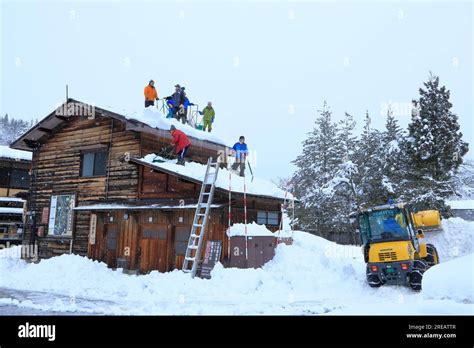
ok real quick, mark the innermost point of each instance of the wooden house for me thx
(14, 185)
(94, 193)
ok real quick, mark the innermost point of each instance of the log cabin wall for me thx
(199, 150)
(56, 170)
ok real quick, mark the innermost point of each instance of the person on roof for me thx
(181, 143)
(208, 115)
(240, 150)
(150, 94)
(178, 101)
(170, 108)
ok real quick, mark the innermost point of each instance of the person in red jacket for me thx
(181, 142)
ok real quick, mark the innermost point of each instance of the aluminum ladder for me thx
(201, 217)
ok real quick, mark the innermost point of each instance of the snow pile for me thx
(454, 239)
(6, 152)
(197, 171)
(253, 230)
(312, 276)
(156, 119)
(451, 280)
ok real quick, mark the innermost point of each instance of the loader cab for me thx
(386, 224)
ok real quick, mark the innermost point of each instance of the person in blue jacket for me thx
(170, 108)
(240, 150)
(392, 226)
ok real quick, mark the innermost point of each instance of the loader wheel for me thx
(416, 275)
(373, 279)
(432, 257)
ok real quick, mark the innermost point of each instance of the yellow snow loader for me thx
(393, 244)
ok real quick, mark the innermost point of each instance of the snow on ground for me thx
(452, 280)
(312, 276)
(197, 171)
(6, 152)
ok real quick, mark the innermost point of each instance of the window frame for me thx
(93, 152)
(26, 181)
(267, 218)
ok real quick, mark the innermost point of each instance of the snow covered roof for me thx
(154, 118)
(7, 152)
(253, 230)
(103, 206)
(11, 199)
(149, 120)
(195, 172)
(8, 210)
(462, 204)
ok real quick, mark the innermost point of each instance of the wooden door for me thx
(153, 253)
(181, 239)
(110, 255)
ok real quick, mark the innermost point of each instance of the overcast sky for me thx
(268, 66)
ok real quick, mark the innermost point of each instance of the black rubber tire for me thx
(416, 275)
(373, 279)
(432, 257)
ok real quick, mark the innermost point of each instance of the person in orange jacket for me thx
(181, 142)
(150, 94)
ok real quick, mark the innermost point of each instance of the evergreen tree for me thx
(317, 165)
(435, 148)
(368, 159)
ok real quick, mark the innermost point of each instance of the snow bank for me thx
(6, 152)
(454, 239)
(253, 230)
(259, 187)
(312, 276)
(451, 280)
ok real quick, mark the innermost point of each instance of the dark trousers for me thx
(149, 103)
(239, 163)
(182, 155)
(180, 114)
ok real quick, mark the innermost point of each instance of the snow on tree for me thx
(11, 129)
(435, 148)
(318, 165)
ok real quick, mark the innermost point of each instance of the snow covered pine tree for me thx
(436, 148)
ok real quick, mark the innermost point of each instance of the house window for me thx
(93, 163)
(4, 173)
(267, 217)
(20, 179)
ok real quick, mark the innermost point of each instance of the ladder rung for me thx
(206, 193)
(190, 258)
(197, 225)
(199, 214)
(195, 236)
(186, 270)
(193, 247)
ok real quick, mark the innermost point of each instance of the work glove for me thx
(212, 119)
(200, 112)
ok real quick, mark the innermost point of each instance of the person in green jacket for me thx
(208, 117)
